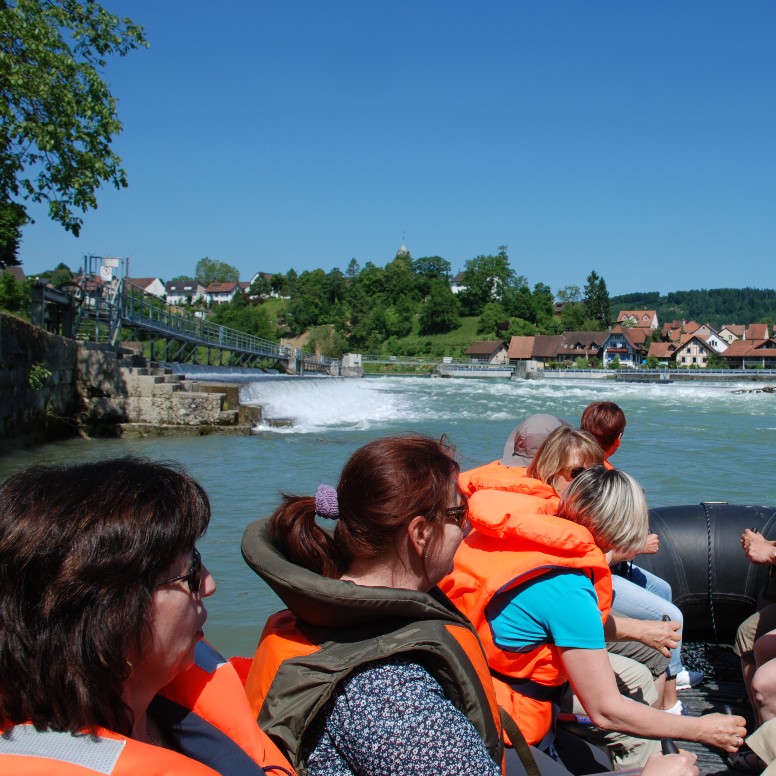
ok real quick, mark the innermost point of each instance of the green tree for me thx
(57, 115)
(211, 271)
(353, 268)
(570, 295)
(242, 316)
(572, 316)
(432, 267)
(596, 301)
(14, 295)
(182, 279)
(12, 219)
(57, 276)
(519, 327)
(260, 287)
(544, 302)
(494, 320)
(486, 279)
(440, 312)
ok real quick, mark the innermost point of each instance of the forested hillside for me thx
(716, 306)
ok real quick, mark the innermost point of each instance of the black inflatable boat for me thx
(700, 555)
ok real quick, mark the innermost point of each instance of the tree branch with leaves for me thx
(57, 115)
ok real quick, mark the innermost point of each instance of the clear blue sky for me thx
(636, 138)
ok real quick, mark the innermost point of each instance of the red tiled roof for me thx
(662, 349)
(485, 348)
(547, 346)
(221, 288)
(521, 347)
(740, 348)
(757, 331)
(643, 318)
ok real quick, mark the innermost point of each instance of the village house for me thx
(747, 354)
(488, 352)
(693, 351)
(626, 344)
(153, 286)
(184, 292)
(218, 293)
(732, 332)
(640, 319)
(456, 284)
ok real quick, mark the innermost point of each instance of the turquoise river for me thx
(684, 443)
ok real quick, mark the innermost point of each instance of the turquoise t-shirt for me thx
(560, 607)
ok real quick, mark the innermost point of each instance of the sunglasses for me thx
(576, 471)
(193, 576)
(458, 514)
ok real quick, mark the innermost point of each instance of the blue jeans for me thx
(645, 596)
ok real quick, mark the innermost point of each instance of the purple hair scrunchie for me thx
(326, 504)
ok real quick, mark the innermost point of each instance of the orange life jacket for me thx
(337, 626)
(211, 690)
(537, 497)
(507, 547)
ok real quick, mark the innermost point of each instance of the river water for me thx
(684, 443)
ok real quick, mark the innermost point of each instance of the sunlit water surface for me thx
(684, 443)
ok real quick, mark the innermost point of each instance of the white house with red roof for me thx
(219, 293)
(640, 319)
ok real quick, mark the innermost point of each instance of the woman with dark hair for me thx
(101, 612)
(371, 670)
(606, 422)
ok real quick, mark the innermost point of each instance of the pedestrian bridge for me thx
(117, 310)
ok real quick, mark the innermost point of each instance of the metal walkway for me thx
(105, 310)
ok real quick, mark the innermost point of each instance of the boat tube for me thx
(700, 556)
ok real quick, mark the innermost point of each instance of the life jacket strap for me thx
(531, 689)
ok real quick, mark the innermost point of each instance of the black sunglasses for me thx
(193, 576)
(458, 513)
(576, 471)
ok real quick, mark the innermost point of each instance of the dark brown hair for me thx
(81, 548)
(605, 421)
(382, 487)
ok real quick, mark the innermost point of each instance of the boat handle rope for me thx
(709, 569)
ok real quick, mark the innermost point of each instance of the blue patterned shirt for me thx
(392, 717)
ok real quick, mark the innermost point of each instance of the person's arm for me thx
(592, 680)
(662, 635)
(757, 548)
(650, 547)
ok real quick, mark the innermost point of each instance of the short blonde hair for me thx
(559, 449)
(611, 505)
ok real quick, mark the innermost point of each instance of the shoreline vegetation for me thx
(415, 307)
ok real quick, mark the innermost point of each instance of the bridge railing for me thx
(134, 306)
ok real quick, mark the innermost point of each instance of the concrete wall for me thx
(88, 388)
(28, 415)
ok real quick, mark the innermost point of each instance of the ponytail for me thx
(299, 537)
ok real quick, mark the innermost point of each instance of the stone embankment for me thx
(52, 387)
(154, 402)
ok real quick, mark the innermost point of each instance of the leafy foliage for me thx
(596, 301)
(716, 306)
(211, 271)
(14, 295)
(57, 115)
